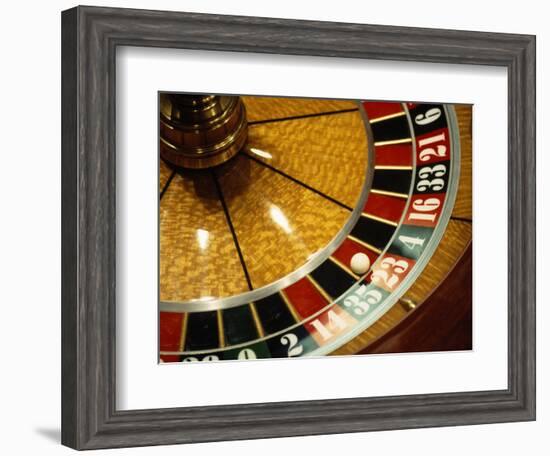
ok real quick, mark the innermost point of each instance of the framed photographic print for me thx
(253, 208)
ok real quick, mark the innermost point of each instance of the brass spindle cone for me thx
(201, 131)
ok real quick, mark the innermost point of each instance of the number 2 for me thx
(294, 349)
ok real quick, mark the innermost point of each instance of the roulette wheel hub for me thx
(201, 131)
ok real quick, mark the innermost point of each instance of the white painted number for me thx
(247, 353)
(431, 178)
(294, 349)
(423, 208)
(411, 242)
(428, 205)
(361, 300)
(192, 359)
(430, 116)
(389, 272)
(436, 171)
(426, 153)
(429, 152)
(335, 323)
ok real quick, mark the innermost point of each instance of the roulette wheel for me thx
(303, 227)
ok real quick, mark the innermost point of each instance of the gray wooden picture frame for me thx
(90, 36)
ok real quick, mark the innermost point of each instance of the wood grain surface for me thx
(463, 203)
(198, 257)
(443, 322)
(278, 222)
(328, 152)
(261, 109)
